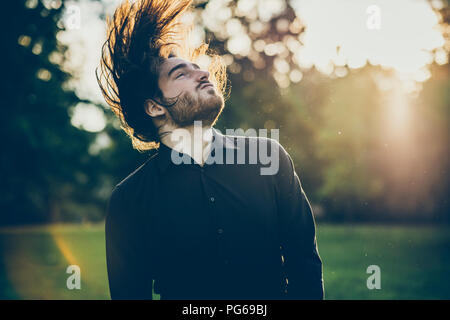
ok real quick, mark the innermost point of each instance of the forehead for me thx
(169, 63)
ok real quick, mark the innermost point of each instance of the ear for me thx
(153, 109)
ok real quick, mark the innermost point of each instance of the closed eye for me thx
(181, 74)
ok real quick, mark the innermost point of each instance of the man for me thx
(199, 229)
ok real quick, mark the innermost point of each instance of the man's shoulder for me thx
(145, 172)
(255, 141)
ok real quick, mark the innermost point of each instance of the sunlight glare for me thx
(336, 31)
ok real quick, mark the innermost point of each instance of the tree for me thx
(45, 163)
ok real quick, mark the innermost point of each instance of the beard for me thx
(205, 106)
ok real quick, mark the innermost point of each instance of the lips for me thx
(206, 85)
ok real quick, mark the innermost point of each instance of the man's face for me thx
(198, 98)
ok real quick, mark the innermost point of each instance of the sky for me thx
(401, 35)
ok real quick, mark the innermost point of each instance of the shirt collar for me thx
(219, 141)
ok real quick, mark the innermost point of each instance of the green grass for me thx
(414, 261)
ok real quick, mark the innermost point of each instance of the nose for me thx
(203, 75)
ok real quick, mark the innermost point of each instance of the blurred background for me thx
(360, 91)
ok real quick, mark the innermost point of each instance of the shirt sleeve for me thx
(302, 262)
(128, 274)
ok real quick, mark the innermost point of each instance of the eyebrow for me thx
(180, 66)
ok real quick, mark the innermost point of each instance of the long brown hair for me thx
(140, 35)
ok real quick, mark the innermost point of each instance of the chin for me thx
(210, 113)
(207, 109)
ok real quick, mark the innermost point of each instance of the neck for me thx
(193, 140)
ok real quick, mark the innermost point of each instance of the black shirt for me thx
(217, 231)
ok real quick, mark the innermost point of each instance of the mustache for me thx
(203, 83)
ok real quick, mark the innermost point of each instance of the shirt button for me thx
(212, 199)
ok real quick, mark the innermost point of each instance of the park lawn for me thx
(414, 261)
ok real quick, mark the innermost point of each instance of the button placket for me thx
(219, 231)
